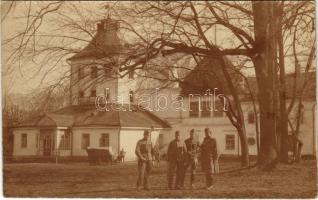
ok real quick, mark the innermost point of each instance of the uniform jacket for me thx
(176, 151)
(144, 150)
(209, 153)
(193, 147)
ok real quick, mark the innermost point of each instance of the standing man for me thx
(193, 147)
(144, 152)
(209, 154)
(176, 156)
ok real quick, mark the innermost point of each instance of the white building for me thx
(70, 130)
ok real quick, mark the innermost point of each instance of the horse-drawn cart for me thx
(98, 155)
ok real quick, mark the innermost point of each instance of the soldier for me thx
(209, 154)
(176, 155)
(193, 147)
(144, 152)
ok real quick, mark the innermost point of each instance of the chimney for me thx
(111, 25)
(100, 26)
(108, 25)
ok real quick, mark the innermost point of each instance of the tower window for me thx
(251, 117)
(108, 71)
(94, 72)
(93, 93)
(107, 94)
(81, 94)
(80, 73)
(131, 74)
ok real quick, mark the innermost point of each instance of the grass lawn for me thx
(82, 180)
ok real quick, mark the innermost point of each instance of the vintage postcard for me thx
(159, 99)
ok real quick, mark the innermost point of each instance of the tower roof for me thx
(105, 42)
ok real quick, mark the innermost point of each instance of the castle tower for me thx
(94, 69)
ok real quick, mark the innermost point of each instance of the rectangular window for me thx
(194, 109)
(94, 72)
(24, 140)
(206, 109)
(85, 141)
(251, 118)
(65, 141)
(80, 73)
(104, 140)
(229, 142)
(218, 109)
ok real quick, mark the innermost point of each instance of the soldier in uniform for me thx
(193, 147)
(176, 157)
(209, 154)
(145, 153)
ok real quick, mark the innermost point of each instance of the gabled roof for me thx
(87, 116)
(208, 75)
(56, 120)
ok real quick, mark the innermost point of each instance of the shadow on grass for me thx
(131, 190)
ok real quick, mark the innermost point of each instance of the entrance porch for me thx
(53, 141)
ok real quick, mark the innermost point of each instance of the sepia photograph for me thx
(158, 99)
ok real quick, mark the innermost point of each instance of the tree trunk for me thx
(282, 92)
(244, 147)
(240, 126)
(264, 61)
